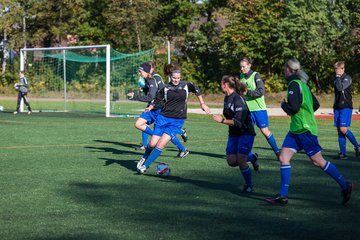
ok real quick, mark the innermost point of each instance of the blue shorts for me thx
(240, 144)
(305, 141)
(170, 126)
(342, 117)
(150, 116)
(260, 118)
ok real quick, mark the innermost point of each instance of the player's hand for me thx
(149, 108)
(205, 108)
(217, 118)
(130, 95)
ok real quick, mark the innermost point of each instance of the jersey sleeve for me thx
(194, 89)
(260, 88)
(150, 94)
(292, 106)
(342, 83)
(157, 102)
(241, 111)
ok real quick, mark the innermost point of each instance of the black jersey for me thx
(152, 86)
(173, 99)
(236, 109)
(343, 92)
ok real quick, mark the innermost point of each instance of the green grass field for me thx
(73, 176)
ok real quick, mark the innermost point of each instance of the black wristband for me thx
(222, 121)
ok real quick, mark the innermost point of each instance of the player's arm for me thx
(294, 99)
(150, 94)
(260, 87)
(342, 83)
(241, 112)
(316, 104)
(195, 89)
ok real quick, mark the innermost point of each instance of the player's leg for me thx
(244, 146)
(341, 136)
(333, 172)
(345, 124)
(156, 152)
(262, 122)
(18, 102)
(288, 149)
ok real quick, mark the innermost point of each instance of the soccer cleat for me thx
(341, 156)
(141, 162)
(16, 112)
(347, 192)
(183, 154)
(247, 189)
(184, 135)
(140, 148)
(357, 152)
(255, 163)
(277, 199)
(141, 169)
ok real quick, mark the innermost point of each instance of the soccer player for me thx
(152, 86)
(343, 109)
(22, 88)
(256, 102)
(241, 130)
(300, 106)
(173, 102)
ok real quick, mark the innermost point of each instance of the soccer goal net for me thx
(91, 79)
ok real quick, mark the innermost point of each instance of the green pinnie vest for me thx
(253, 103)
(304, 120)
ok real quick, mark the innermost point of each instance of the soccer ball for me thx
(141, 82)
(1, 108)
(162, 169)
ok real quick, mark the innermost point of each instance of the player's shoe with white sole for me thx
(141, 169)
(183, 154)
(141, 162)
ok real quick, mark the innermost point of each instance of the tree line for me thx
(208, 37)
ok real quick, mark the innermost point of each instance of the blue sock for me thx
(153, 156)
(342, 143)
(177, 143)
(144, 138)
(148, 150)
(272, 142)
(148, 131)
(247, 175)
(285, 172)
(352, 138)
(331, 170)
(250, 157)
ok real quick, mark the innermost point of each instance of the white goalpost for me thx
(91, 79)
(64, 50)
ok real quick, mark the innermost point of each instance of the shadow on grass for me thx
(170, 149)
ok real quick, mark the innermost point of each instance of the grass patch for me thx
(72, 176)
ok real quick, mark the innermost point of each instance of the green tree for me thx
(129, 23)
(318, 33)
(252, 32)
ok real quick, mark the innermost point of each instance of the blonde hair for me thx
(339, 64)
(294, 65)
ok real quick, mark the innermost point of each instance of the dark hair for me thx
(170, 68)
(234, 83)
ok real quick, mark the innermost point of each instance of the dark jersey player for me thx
(241, 130)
